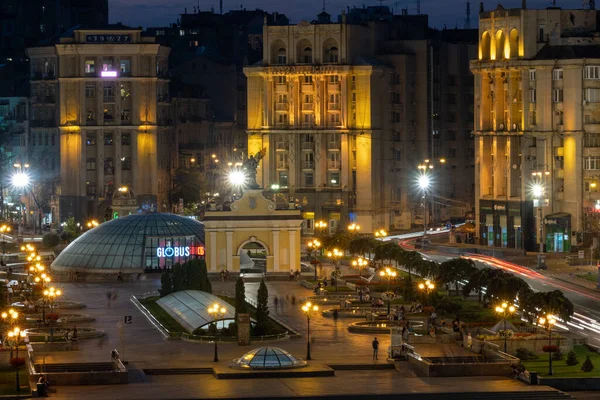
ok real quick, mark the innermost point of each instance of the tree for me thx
(166, 284)
(178, 278)
(362, 245)
(340, 239)
(51, 240)
(587, 365)
(194, 279)
(542, 303)
(241, 307)
(476, 282)
(387, 251)
(571, 359)
(206, 285)
(70, 231)
(456, 270)
(188, 185)
(262, 309)
(428, 269)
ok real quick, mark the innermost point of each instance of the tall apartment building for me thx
(537, 121)
(101, 93)
(345, 114)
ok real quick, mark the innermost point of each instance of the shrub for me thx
(550, 349)
(519, 367)
(558, 355)
(508, 333)
(51, 240)
(262, 309)
(525, 355)
(587, 365)
(571, 359)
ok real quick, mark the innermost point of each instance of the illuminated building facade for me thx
(537, 126)
(104, 94)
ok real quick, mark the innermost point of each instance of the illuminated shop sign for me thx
(186, 251)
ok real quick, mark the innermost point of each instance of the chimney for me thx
(481, 7)
(185, 10)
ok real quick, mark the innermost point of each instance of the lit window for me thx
(90, 67)
(557, 74)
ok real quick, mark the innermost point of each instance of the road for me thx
(585, 320)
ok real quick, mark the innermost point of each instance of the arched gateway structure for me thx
(254, 234)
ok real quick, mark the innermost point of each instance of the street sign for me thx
(128, 319)
(581, 254)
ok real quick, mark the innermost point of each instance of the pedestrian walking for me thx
(74, 335)
(293, 300)
(375, 348)
(119, 277)
(108, 297)
(276, 303)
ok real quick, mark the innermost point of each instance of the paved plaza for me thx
(144, 347)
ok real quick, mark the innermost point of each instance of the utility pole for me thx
(468, 19)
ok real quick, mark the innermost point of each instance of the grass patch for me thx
(161, 315)
(8, 381)
(276, 328)
(589, 277)
(561, 369)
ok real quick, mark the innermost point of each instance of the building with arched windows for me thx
(537, 126)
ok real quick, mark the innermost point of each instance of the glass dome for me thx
(268, 358)
(133, 243)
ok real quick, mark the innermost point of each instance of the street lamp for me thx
(216, 311)
(320, 225)
(20, 179)
(92, 224)
(237, 178)
(547, 323)
(359, 264)
(307, 309)
(424, 184)
(537, 189)
(380, 233)
(504, 309)
(390, 275)
(314, 246)
(335, 255)
(15, 336)
(353, 227)
(4, 229)
(426, 288)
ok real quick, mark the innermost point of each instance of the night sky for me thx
(449, 12)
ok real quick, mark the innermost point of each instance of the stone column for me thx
(213, 251)
(117, 160)
(275, 251)
(100, 164)
(229, 256)
(293, 260)
(134, 161)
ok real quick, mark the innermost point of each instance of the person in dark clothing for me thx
(375, 348)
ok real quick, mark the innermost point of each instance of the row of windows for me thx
(123, 67)
(108, 91)
(109, 169)
(306, 57)
(43, 139)
(589, 72)
(308, 179)
(90, 139)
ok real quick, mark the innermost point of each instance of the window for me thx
(557, 95)
(125, 139)
(591, 140)
(451, 136)
(282, 119)
(397, 155)
(308, 160)
(90, 91)
(451, 80)
(126, 92)
(334, 118)
(90, 116)
(282, 160)
(333, 141)
(108, 139)
(396, 136)
(333, 160)
(281, 79)
(309, 220)
(283, 179)
(53, 139)
(109, 94)
(557, 74)
(307, 55)
(282, 98)
(395, 97)
(90, 164)
(592, 95)
(334, 98)
(532, 75)
(90, 189)
(471, 152)
(108, 114)
(308, 118)
(90, 139)
(532, 117)
(90, 67)
(395, 78)
(334, 178)
(333, 55)
(450, 98)
(532, 95)
(125, 67)
(160, 32)
(125, 115)
(125, 163)
(281, 56)
(308, 79)
(397, 194)
(309, 180)
(451, 153)
(591, 72)
(109, 167)
(396, 117)
(334, 78)
(591, 162)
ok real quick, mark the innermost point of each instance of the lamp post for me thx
(335, 255)
(314, 246)
(307, 309)
(9, 319)
(426, 288)
(390, 275)
(359, 264)
(424, 184)
(353, 228)
(320, 226)
(547, 323)
(15, 336)
(216, 312)
(20, 180)
(504, 309)
(4, 229)
(538, 191)
(92, 224)
(380, 233)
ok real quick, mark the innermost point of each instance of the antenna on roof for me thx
(418, 7)
(468, 19)
(323, 5)
(221, 6)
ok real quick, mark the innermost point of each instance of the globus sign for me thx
(186, 251)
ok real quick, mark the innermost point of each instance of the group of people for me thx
(294, 275)
(280, 302)
(224, 275)
(364, 294)
(71, 335)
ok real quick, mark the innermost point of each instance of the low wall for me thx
(571, 384)
(533, 345)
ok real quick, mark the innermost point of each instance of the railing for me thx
(109, 121)
(282, 165)
(307, 87)
(308, 106)
(36, 123)
(220, 339)
(125, 121)
(281, 145)
(308, 165)
(308, 145)
(333, 87)
(333, 145)
(333, 164)
(281, 87)
(91, 122)
(275, 317)
(334, 106)
(109, 99)
(281, 106)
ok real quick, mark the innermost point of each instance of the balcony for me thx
(308, 106)
(334, 106)
(109, 99)
(307, 87)
(308, 165)
(164, 99)
(281, 145)
(109, 121)
(334, 164)
(308, 145)
(91, 122)
(125, 121)
(282, 165)
(39, 76)
(333, 87)
(281, 106)
(333, 145)
(281, 87)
